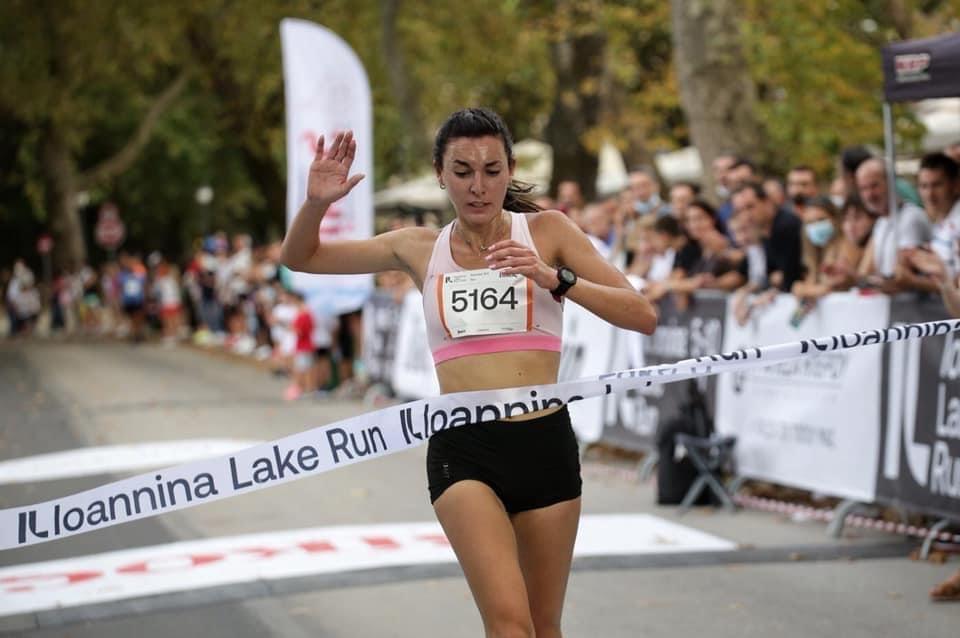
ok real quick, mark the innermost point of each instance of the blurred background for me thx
(174, 111)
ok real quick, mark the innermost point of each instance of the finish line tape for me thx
(375, 434)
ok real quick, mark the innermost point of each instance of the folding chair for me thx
(711, 455)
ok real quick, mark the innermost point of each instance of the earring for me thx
(443, 186)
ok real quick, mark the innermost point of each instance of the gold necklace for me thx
(470, 243)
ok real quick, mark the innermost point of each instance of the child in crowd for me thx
(324, 333)
(167, 290)
(281, 332)
(670, 245)
(714, 268)
(303, 355)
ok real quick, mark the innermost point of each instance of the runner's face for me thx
(476, 174)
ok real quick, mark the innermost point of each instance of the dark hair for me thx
(853, 156)
(705, 206)
(752, 186)
(743, 161)
(940, 162)
(819, 201)
(667, 225)
(694, 188)
(804, 168)
(480, 122)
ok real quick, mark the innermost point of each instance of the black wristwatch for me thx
(567, 279)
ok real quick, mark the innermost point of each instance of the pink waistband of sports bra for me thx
(500, 343)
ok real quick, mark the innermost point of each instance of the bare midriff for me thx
(500, 370)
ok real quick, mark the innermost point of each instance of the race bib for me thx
(484, 302)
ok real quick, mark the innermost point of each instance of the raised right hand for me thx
(329, 177)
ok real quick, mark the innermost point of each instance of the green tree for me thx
(68, 67)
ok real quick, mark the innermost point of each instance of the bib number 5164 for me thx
(486, 298)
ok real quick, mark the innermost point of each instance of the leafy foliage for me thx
(92, 69)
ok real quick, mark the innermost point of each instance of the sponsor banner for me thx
(414, 375)
(633, 418)
(920, 461)
(375, 434)
(381, 315)
(192, 565)
(326, 91)
(922, 69)
(809, 423)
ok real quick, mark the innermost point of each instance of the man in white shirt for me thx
(939, 184)
(908, 227)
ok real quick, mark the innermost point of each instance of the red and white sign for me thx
(44, 244)
(215, 562)
(109, 231)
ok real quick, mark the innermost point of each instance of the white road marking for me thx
(185, 566)
(112, 459)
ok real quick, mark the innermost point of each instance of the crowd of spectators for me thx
(755, 236)
(229, 294)
(802, 233)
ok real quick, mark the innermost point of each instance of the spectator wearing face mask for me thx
(646, 192)
(825, 259)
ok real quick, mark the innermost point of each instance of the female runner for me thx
(507, 493)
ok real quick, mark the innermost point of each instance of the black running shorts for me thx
(528, 464)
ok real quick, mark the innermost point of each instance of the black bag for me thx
(674, 477)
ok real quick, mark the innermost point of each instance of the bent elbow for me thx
(290, 261)
(650, 321)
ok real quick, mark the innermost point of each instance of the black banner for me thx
(632, 419)
(919, 465)
(922, 69)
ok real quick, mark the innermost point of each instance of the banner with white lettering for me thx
(920, 463)
(326, 91)
(632, 419)
(376, 434)
(809, 423)
(414, 375)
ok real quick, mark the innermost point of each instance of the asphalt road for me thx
(783, 577)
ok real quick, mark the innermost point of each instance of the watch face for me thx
(567, 276)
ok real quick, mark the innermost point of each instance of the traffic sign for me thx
(44, 244)
(110, 230)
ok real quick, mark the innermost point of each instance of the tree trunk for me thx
(413, 144)
(578, 63)
(716, 90)
(60, 199)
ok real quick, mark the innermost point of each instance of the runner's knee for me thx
(510, 625)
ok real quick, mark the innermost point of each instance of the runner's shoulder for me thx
(549, 221)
